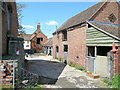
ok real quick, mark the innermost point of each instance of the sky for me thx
(49, 14)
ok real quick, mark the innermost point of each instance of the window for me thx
(112, 18)
(64, 35)
(39, 40)
(27, 45)
(9, 12)
(65, 48)
(57, 49)
(27, 42)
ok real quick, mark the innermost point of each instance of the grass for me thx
(76, 66)
(60, 59)
(115, 81)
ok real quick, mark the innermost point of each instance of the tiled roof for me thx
(108, 28)
(27, 37)
(49, 42)
(81, 17)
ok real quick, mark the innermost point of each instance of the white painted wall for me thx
(27, 45)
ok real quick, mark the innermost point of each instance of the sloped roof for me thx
(49, 42)
(27, 37)
(108, 28)
(81, 17)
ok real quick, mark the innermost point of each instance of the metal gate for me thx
(90, 63)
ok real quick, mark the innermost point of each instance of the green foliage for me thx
(60, 59)
(115, 82)
(76, 66)
(105, 80)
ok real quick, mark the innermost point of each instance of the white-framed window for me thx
(27, 45)
(27, 42)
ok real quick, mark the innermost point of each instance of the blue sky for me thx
(50, 14)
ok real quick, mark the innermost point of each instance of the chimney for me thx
(38, 26)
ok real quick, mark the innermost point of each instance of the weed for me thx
(60, 59)
(76, 66)
(115, 82)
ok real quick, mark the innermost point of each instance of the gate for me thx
(90, 63)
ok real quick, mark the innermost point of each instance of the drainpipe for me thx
(95, 60)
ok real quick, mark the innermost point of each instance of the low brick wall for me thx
(6, 72)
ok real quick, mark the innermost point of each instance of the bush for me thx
(115, 82)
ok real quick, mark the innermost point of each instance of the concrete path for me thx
(64, 75)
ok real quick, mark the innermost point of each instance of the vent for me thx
(112, 18)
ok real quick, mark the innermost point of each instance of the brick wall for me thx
(57, 41)
(14, 25)
(76, 46)
(38, 48)
(117, 62)
(107, 9)
(6, 70)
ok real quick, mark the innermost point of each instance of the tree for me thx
(21, 30)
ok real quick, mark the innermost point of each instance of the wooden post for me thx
(95, 60)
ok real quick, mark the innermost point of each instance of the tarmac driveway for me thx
(63, 75)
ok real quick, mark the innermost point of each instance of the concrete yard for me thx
(59, 75)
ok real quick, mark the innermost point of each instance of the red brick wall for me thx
(57, 41)
(6, 74)
(117, 62)
(14, 25)
(107, 9)
(77, 46)
(33, 42)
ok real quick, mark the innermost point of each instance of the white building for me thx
(27, 42)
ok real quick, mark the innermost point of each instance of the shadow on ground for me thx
(48, 71)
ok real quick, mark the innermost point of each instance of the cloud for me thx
(27, 26)
(52, 23)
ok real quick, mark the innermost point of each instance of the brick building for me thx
(38, 39)
(71, 43)
(9, 41)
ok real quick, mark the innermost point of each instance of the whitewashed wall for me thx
(27, 45)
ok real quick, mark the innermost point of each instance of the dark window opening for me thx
(102, 51)
(91, 51)
(39, 40)
(65, 48)
(57, 49)
(112, 18)
(64, 35)
(27, 45)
